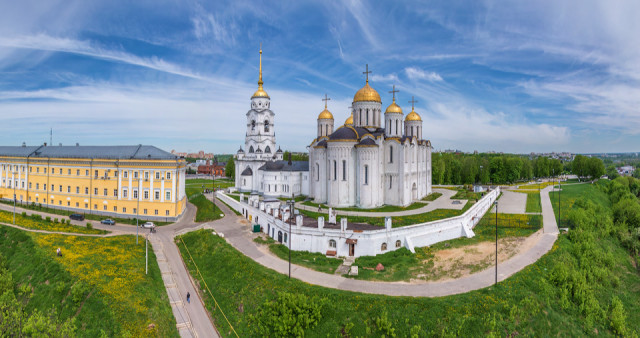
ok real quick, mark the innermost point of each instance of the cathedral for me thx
(366, 165)
(361, 163)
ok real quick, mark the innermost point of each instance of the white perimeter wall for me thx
(369, 243)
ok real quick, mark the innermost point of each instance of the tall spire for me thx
(260, 92)
(260, 77)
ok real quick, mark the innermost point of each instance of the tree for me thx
(578, 166)
(230, 169)
(612, 172)
(594, 167)
(636, 173)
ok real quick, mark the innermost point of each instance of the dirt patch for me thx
(460, 262)
(242, 221)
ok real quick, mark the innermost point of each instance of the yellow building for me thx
(116, 181)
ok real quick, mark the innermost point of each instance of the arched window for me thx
(383, 247)
(251, 149)
(285, 237)
(332, 243)
(398, 243)
(266, 125)
(390, 154)
(267, 150)
(253, 124)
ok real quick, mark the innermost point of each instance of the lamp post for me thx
(137, 213)
(559, 194)
(496, 204)
(213, 190)
(291, 205)
(14, 198)
(481, 177)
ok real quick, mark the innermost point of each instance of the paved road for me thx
(192, 319)
(241, 238)
(511, 202)
(442, 202)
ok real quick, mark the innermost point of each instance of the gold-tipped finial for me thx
(413, 116)
(413, 102)
(393, 92)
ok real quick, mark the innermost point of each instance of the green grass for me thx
(432, 196)
(205, 210)
(117, 299)
(219, 183)
(464, 194)
(525, 304)
(36, 222)
(402, 265)
(298, 198)
(533, 202)
(87, 216)
(384, 208)
(398, 221)
(570, 193)
(315, 261)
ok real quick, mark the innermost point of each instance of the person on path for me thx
(188, 297)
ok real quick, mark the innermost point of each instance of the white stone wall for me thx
(369, 243)
(367, 108)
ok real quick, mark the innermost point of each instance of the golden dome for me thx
(413, 116)
(349, 121)
(367, 93)
(325, 115)
(393, 108)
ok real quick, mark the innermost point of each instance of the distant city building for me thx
(119, 181)
(625, 170)
(209, 168)
(199, 155)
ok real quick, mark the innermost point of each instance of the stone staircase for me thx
(346, 266)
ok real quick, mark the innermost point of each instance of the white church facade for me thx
(367, 164)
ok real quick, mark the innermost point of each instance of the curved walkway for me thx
(241, 239)
(192, 319)
(442, 202)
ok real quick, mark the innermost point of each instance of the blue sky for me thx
(514, 76)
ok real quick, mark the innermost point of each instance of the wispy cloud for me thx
(419, 74)
(384, 78)
(45, 42)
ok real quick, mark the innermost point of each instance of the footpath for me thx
(192, 319)
(241, 238)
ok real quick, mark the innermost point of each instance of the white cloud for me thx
(45, 42)
(419, 74)
(384, 78)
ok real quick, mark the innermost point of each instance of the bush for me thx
(48, 219)
(55, 220)
(617, 317)
(68, 221)
(288, 315)
(89, 226)
(79, 292)
(24, 214)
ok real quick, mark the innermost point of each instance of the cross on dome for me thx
(325, 100)
(367, 72)
(413, 102)
(393, 92)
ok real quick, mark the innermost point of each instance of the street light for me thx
(496, 204)
(291, 203)
(137, 213)
(14, 198)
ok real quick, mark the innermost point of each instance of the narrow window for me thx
(167, 195)
(390, 181)
(135, 194)
(157, 195)
(396, 127)
(344, 170)
(106, 192)
(390, 154)
(253, 125)
(115, 192)
(317, 172)
(266, 126)
(366, 174)
(125, 174)
(335, 171)
(146, 194)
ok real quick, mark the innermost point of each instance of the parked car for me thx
(108, 221)
(149, 225)
(77, 217)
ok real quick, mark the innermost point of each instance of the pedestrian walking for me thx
(188, 297)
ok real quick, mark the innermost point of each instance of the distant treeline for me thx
(449, 168)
